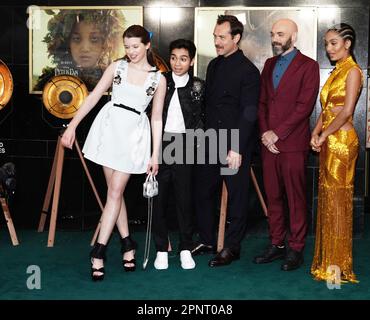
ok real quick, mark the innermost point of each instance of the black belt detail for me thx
(126, 107)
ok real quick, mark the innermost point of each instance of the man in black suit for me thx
(232, 91)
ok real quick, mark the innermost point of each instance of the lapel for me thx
(289, 73)
(184, 91)
(170, 90)
(269, 74)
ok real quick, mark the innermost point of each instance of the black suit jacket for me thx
(232, 92)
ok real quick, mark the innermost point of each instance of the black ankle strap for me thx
(127, 244)
(98, 251)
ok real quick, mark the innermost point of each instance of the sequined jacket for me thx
(191, 99)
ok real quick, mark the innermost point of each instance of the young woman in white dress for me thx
(120, 137)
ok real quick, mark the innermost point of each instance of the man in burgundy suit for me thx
(289, 87)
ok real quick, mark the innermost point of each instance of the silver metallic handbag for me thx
(150, 189)
(150, 186)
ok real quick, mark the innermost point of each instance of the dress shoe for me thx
(187, 261)
(272, 253)
(293, 260)
(201, 249)
(161, 261)
(223, 258)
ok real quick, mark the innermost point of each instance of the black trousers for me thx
(208, 184)
(179, 178)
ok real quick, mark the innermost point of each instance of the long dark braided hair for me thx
(346, 32)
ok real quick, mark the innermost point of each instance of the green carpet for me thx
(65, 273)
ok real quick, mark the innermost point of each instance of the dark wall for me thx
(29, 139)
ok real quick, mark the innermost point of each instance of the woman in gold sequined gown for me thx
(335, 138)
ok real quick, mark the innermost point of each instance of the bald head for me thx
(283, 36)
(286, 24)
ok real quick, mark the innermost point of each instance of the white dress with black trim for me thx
(120, 136)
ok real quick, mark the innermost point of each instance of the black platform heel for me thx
(127, 244)
(98, 252)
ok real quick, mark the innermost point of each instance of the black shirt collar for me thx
(232, 56)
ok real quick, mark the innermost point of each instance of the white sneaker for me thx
(186, 259)
(161, 261)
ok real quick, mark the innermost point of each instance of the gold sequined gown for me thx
(333, 245)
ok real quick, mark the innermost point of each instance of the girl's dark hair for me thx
(346, 32)
(137, 31)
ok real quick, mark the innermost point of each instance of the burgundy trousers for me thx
(284, 177)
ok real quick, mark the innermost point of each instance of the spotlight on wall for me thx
(329, 15)
(171, 15)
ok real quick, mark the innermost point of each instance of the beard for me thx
(278, 48)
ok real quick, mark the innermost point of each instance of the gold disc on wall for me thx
(63, 95)
(6, 84)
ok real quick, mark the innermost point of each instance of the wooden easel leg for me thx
(54, 209)
(221, 226)
(89, 176)
(47, 199)
(9, 222)
(259, 193)
(55, 181)
(94, 190)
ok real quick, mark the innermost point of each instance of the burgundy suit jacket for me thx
(286, 110)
